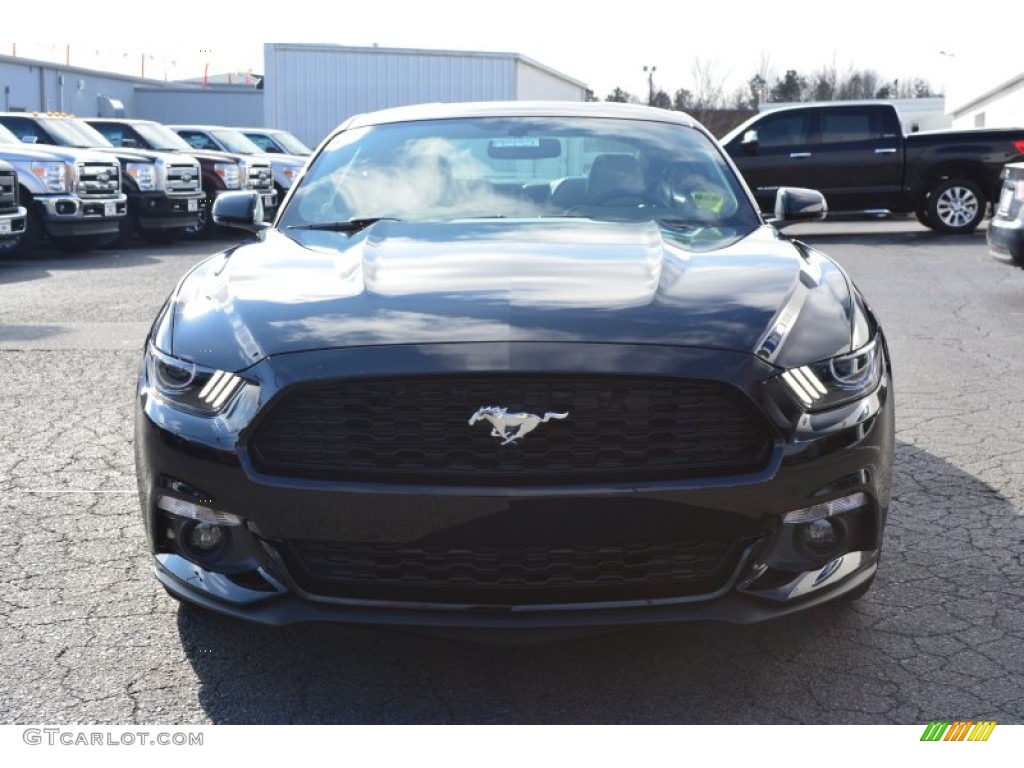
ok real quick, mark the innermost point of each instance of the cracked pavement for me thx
(88, 636)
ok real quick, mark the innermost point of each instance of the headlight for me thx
(838, 380)
(144, 175)
(192, 387)
(228, 173)
(51, 175)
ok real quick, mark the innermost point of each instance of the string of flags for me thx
(137, 63)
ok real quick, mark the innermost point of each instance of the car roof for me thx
(441, 111)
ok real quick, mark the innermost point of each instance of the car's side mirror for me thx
(242, 210)
(750, 142)
(795, 204)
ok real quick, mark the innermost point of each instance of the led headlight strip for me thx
(219, 389)
(805, 385)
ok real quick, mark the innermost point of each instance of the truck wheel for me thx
(956, 206)
(921, 212)
(25, 246)
(201, 229)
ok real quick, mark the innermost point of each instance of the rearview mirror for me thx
(795, 204)
(242, 210)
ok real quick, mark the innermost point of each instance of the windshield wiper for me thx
(352, 225)
(678, 224)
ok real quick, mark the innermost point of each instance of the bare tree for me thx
(707, 91)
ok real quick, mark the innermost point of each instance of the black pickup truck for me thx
(858, 156)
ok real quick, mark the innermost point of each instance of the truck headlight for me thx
(838, 380)
(52, 176)
(229, 174)
(144, 175)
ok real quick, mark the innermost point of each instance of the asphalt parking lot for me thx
(88, 636)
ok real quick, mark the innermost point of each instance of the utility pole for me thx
(650, 85)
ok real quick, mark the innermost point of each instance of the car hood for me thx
(567, 280)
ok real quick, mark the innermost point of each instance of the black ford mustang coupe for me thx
(516, 367)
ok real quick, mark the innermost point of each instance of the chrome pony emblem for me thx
(511, 426)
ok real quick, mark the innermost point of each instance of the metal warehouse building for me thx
(310, 89)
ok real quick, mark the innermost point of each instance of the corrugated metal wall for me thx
(310, 89)
(209, 106)
(534, 83)
(41, 87)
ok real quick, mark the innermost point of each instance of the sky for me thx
(602, 45)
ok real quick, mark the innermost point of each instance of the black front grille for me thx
(416, 430)
(512, 575)
(98, 180)
(8, 191)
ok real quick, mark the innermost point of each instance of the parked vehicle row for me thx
(857, 155)
(71, 196)
(91, 182)
(222, 171)
(286, 168)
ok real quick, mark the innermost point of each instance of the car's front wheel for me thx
(955, 206)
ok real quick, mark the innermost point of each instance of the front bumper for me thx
(73, 216)
(12, 224)
(158, 210)
(831, 455)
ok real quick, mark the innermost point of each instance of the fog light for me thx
(206, 537)
(821, 535)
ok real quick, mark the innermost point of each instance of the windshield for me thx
(235, 141)
(520, 167)
(72, 133)
(161, 137)
(290, 144)
(6, 137)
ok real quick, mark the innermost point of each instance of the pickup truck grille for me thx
(183, 179)
(8, 191)
(416, 430)
(260, 177)
(99, 180)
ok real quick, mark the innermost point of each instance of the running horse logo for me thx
(511, 426)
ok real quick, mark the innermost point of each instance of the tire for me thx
(955, 206)
(922, 216)
(27, 244)
(202, 228)
(162, 236)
